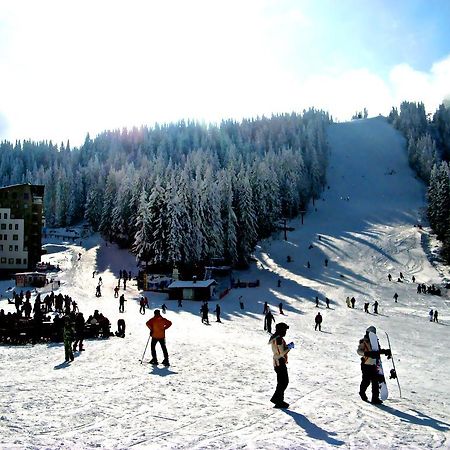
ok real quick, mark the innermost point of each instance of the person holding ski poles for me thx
(158, 326)
(369, 367)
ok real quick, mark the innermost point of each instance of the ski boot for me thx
(166, 363)
(154, 362)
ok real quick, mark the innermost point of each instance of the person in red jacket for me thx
(158, 326)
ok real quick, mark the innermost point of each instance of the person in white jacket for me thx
(280, 357)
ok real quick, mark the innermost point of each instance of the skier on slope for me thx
(369, 367)
(280, 356)
(318, 321)
(158, 326)
(268, 319)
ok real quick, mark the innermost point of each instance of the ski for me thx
(393, 372)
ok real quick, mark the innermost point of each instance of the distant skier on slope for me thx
(268, 319)
(280, 358)
(318, 321)
(369, 368)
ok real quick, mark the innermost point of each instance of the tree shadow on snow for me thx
(313, 430)
(419, 419)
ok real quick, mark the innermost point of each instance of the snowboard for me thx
(381, 380)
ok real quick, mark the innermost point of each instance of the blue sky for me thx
(68, 68)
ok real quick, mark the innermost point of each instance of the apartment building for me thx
(21, 210)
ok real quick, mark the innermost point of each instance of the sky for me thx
(72, 68)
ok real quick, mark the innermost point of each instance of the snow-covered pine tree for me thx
(143, 237)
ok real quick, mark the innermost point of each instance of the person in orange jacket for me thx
(158, 326)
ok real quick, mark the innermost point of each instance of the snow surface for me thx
(216, 393)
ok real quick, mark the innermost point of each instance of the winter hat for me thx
(281, 326)
(157, 312)
(371, 329)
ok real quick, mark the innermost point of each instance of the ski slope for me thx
(216, 393)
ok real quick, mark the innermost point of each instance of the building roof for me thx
(191, 284)
(19, 184)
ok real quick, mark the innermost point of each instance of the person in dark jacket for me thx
(79, 332)
(122, 303)
(268, 319)
(318, 321)
(217, 311)
(280, 352)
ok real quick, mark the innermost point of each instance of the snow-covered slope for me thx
(216, 393)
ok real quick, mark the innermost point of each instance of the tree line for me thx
(184, 192)
(428, 143)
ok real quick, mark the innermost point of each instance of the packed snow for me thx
(216, 392)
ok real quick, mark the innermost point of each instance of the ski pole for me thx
(145, 349)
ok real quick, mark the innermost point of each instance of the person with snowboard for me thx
(158, 326)
(317, 301)
(435, 316)
(353, 301)
(369, 367)
(318, 321)
(280, 352)
(268, 319)
(280, 307)
(327, 301)
(430, 315)
(395, 297)
(389, 277)
(266, 308)
(366, 307)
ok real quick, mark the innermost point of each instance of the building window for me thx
(16, 226)
(18, 261)
(10, 226)
(5, 215)
(24, 260)
(3, 226)
(3, 260)
(26, 196)
(15, 237)
(1, 237)
(10, 260)
(5, 237)
(16, 248)
(1, 247)
(10, 248)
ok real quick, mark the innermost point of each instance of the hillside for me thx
(216, 393)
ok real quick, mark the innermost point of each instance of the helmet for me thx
(371, 329)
